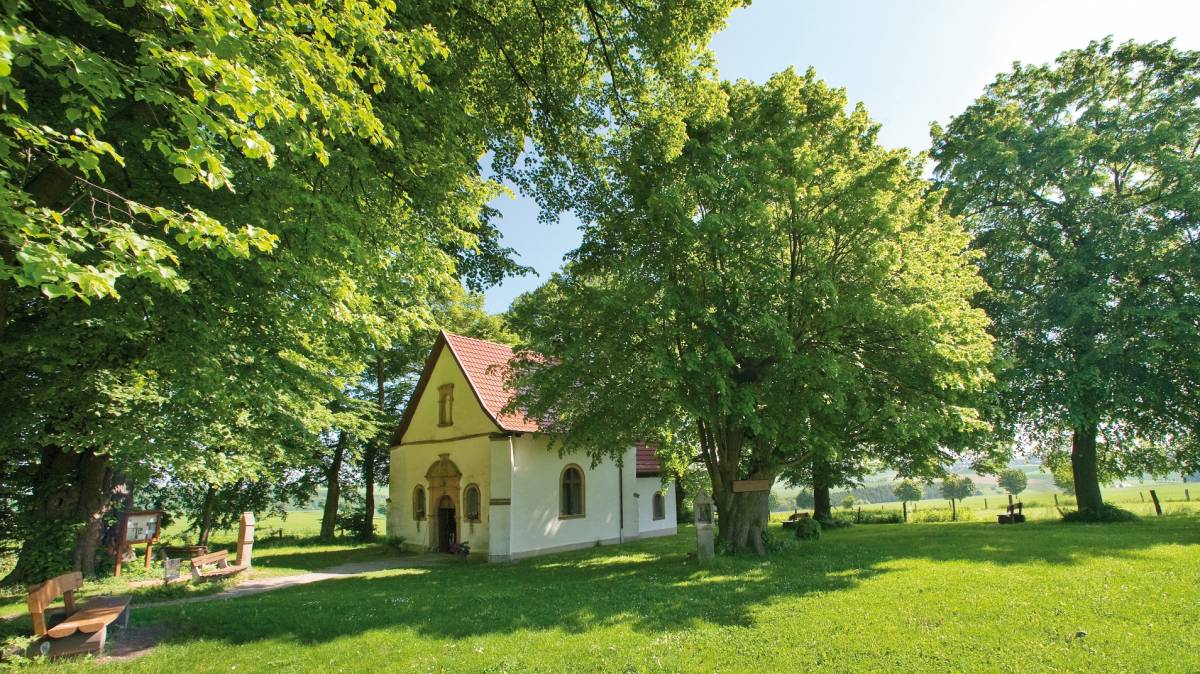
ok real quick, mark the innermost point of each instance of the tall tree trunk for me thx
(1083, 467)
(679, 500)
(371, 453)
(65, 515)
(206, 515)
(333, 489)
(822, 501)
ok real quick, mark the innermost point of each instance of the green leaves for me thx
(1079, 179)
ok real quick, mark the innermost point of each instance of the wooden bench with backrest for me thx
(1014, 516)
(214, 566)
(79, 631)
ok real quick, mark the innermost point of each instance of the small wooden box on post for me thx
(702, 510)
(245, 544)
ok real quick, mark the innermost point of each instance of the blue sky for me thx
(911, 62)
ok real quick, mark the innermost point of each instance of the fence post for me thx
(985, 503)
(1142, 496)
(1056, 500)
(1187, 494)
(1157, 507)
(904, 504)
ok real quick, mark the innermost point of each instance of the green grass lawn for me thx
(935, 597)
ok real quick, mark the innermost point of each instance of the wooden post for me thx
(1056, 500)
(1187, 494)
(245, 544)
(985, 503)
(1157, 506)
(1142, 496)
(149, 546)
(120, 554)
(904, 504)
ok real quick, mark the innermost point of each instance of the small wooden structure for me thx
(137, 526)
(79, 631)
(245, 544)
(214, 566)
(1014, 516)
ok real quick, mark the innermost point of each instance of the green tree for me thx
(908, 491)
(1080, 181)
(773, 279)
(956, 488)
(848, 501)
(1013, 481)
(275, 195)
(1064, 479)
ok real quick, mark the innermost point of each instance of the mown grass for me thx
(961, 597)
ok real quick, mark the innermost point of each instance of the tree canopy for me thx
(775, 282)
(1080, 182)
(1013, 481)
(217, 217)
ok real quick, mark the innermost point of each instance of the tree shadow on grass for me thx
(652, 586)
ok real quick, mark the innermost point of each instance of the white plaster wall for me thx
(535, 524)
(647, 525)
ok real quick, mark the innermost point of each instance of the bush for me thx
(396, 542)
(879, 517)
(941, 515)
(1108, 513)
(836, 522)
(808, 529)
(775, 540)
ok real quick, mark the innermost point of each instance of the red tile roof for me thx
(485, 364)
(647, 461)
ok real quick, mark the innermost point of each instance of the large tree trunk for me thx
(65, 517)
(206, 515)
(743, 523)
(822, 500)
(333, 489)
(1083, 467)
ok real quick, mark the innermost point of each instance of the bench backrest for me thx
(42, 595)
(211, 558)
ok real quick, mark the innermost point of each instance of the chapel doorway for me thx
(447, 524)
(444, 489)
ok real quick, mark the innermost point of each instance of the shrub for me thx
(1108, 513)
(836, 522)
(808, 529)
(880, 517)
(396, 542)
(775, 540)
(941, 515)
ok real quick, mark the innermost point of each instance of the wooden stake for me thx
(1187, 494)
(1056, 500)
(1154, 497)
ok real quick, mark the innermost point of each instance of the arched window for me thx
(471, 503)
(571, 498)
(419, 503)
(660, 506)
(446, 405)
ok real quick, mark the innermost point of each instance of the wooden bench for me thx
(78, 631)
(214, 566)
(790, 522)
(1014, 516)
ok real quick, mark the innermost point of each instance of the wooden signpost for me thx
(137, 526)
(751, 485)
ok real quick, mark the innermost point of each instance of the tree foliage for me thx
(772, 280)
(217, 219)
(1079, 180)
(1013, 481)
(908, 490)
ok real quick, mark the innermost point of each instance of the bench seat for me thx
(93, 617)
(219, 563)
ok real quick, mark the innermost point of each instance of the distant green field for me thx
(964, 597)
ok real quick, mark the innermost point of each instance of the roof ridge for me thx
(477, 339)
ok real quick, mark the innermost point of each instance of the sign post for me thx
(137, 526)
